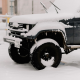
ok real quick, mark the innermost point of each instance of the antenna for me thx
(55, 6)
(44, 7)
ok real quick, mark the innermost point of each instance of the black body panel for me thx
(73, 33)
(69, 33)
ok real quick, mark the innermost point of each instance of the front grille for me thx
(15, 33)
(15, 30)
(21, 26)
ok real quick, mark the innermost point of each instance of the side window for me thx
(77, 24)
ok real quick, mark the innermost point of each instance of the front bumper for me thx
(13, 40)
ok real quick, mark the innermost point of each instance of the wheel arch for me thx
(56, 35)
(42, 41)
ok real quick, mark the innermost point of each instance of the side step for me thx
(70, 48)
(74, 46)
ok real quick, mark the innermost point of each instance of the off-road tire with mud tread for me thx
(13, 53)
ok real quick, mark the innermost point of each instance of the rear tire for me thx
(19, 55)
(40, 53)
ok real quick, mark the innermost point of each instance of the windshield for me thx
(71, 6)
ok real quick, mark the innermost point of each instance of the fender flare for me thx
(42, 41)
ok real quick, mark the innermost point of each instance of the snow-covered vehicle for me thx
(38, 37)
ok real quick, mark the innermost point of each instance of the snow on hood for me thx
(35, 18)
(71, 6)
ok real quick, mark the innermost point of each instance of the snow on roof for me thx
(66, 6)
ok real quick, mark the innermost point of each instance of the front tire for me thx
(19, 55)
(46, 52)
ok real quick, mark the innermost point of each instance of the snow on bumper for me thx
(13, 40)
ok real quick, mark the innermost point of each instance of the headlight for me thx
(10, 23)
(15, 24)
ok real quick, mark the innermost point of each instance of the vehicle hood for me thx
(35, 18)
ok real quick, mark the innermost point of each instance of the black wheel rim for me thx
(47, 56)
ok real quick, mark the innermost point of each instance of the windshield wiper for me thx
(44, 7)
(55, 6)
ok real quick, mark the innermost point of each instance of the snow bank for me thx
(3, 31)
(6, 15)
(2, 25)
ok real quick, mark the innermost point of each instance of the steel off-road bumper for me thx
(13, 40)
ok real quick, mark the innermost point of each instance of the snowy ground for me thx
(69, 68)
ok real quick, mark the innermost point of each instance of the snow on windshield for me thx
(66, 6)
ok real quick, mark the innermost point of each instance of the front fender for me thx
(45, 26)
